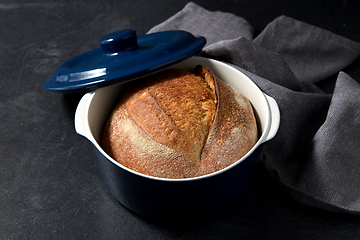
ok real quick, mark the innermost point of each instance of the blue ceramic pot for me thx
(204, 195)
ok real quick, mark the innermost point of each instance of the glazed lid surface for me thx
(123, 56)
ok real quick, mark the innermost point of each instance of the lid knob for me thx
(119, 41)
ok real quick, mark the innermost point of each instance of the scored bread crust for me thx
(178, 124)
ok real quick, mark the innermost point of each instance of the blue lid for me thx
(123, 56)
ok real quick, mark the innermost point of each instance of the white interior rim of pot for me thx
(212, 64)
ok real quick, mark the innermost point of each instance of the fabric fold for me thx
(315, 154)
(201, 22)
(332, 169)
(312, 53)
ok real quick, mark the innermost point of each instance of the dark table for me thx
(50, 186)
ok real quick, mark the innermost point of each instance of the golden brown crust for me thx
(178, 124)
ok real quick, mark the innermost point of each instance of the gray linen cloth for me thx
(316, 154)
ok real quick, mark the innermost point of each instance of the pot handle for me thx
(275, 117)
(81, 118)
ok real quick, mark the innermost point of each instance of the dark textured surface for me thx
(50, 186)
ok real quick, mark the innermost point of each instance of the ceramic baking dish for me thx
(204, 195)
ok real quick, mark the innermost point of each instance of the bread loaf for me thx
(180, 124)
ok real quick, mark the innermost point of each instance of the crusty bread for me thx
(180, 124)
